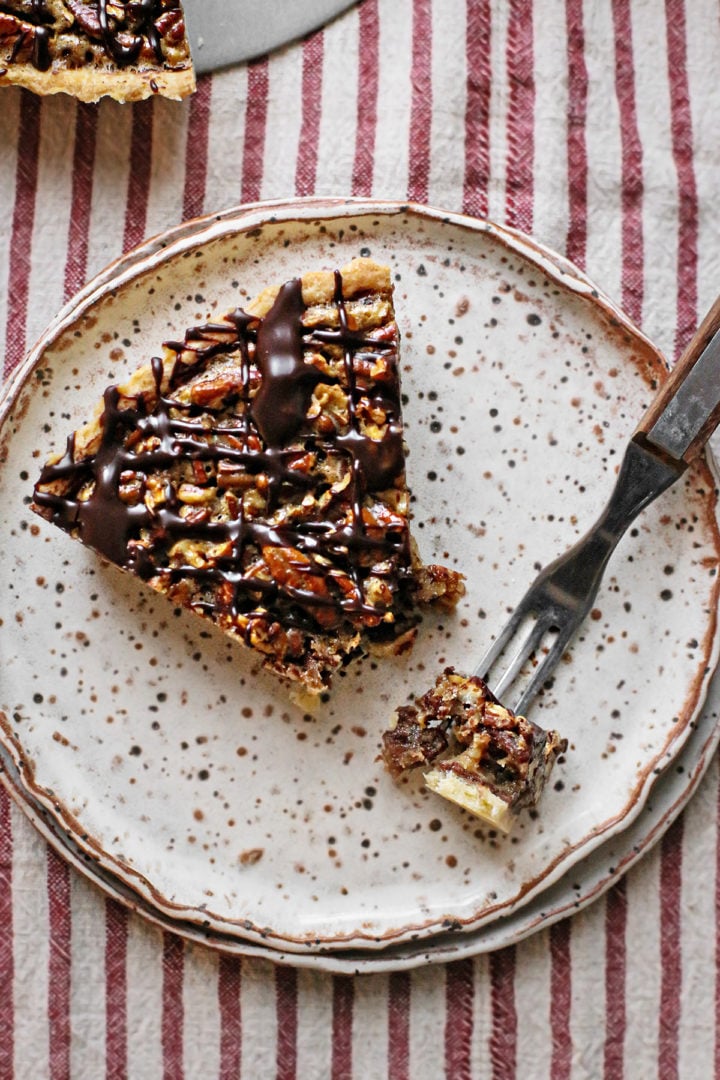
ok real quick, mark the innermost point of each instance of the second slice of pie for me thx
(128, 50)
(255, 474)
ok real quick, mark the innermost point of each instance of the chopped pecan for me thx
(268, 637)
(194, 495)
(439, 585)
(21, 34)
(10, 25)
(131, 488)
(295, 573)
(216, 389)
(171, 26)
(195, 515)
(86, 16)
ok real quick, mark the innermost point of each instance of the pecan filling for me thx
(80, 33)
(499, 762)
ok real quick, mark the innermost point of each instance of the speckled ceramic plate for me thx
(584, 883)
(183, 771)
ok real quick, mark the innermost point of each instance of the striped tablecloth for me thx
(593, 126)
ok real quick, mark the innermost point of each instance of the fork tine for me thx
(547, 666)
(504, 637)
(500, 643)
(528, 645)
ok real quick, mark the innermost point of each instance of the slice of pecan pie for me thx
(499, 763)
(127, 49)
(255, 474)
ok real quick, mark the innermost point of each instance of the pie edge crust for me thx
(89, 85)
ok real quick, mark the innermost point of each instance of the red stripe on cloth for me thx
(306, 166)
(671, 848)
(286, 1006)
(682, 144)
(7, 959)
(459, 998)
(26, 179)
(255, 125)
(342, 1025)
(421, 106)
(59, 965)
(229, 981)
(576, 243)
(367, 99)
(140, 167)
(521, 111)
(670, 951)
(560, 1000)
(477, 108)
(399, 996)
(82, 186)
(615, 966)
(173, 963)
(58, 872)
(503, 1037)
(632, 296)
(116, 934)
(717, 934)
(196, 150)
(632, 170)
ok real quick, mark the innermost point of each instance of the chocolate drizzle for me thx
(287, 383)
(231, 413)
(41, 39)
(123, 47)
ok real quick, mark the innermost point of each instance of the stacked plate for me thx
(173, 772)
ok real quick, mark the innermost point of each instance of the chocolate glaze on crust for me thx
(257, 477)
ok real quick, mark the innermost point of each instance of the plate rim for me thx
(193, 234)
(514, 927)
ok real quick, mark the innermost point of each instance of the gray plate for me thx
(224, 32)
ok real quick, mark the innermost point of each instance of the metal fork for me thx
(672, 432)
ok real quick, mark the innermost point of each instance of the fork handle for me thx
(686, 409)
